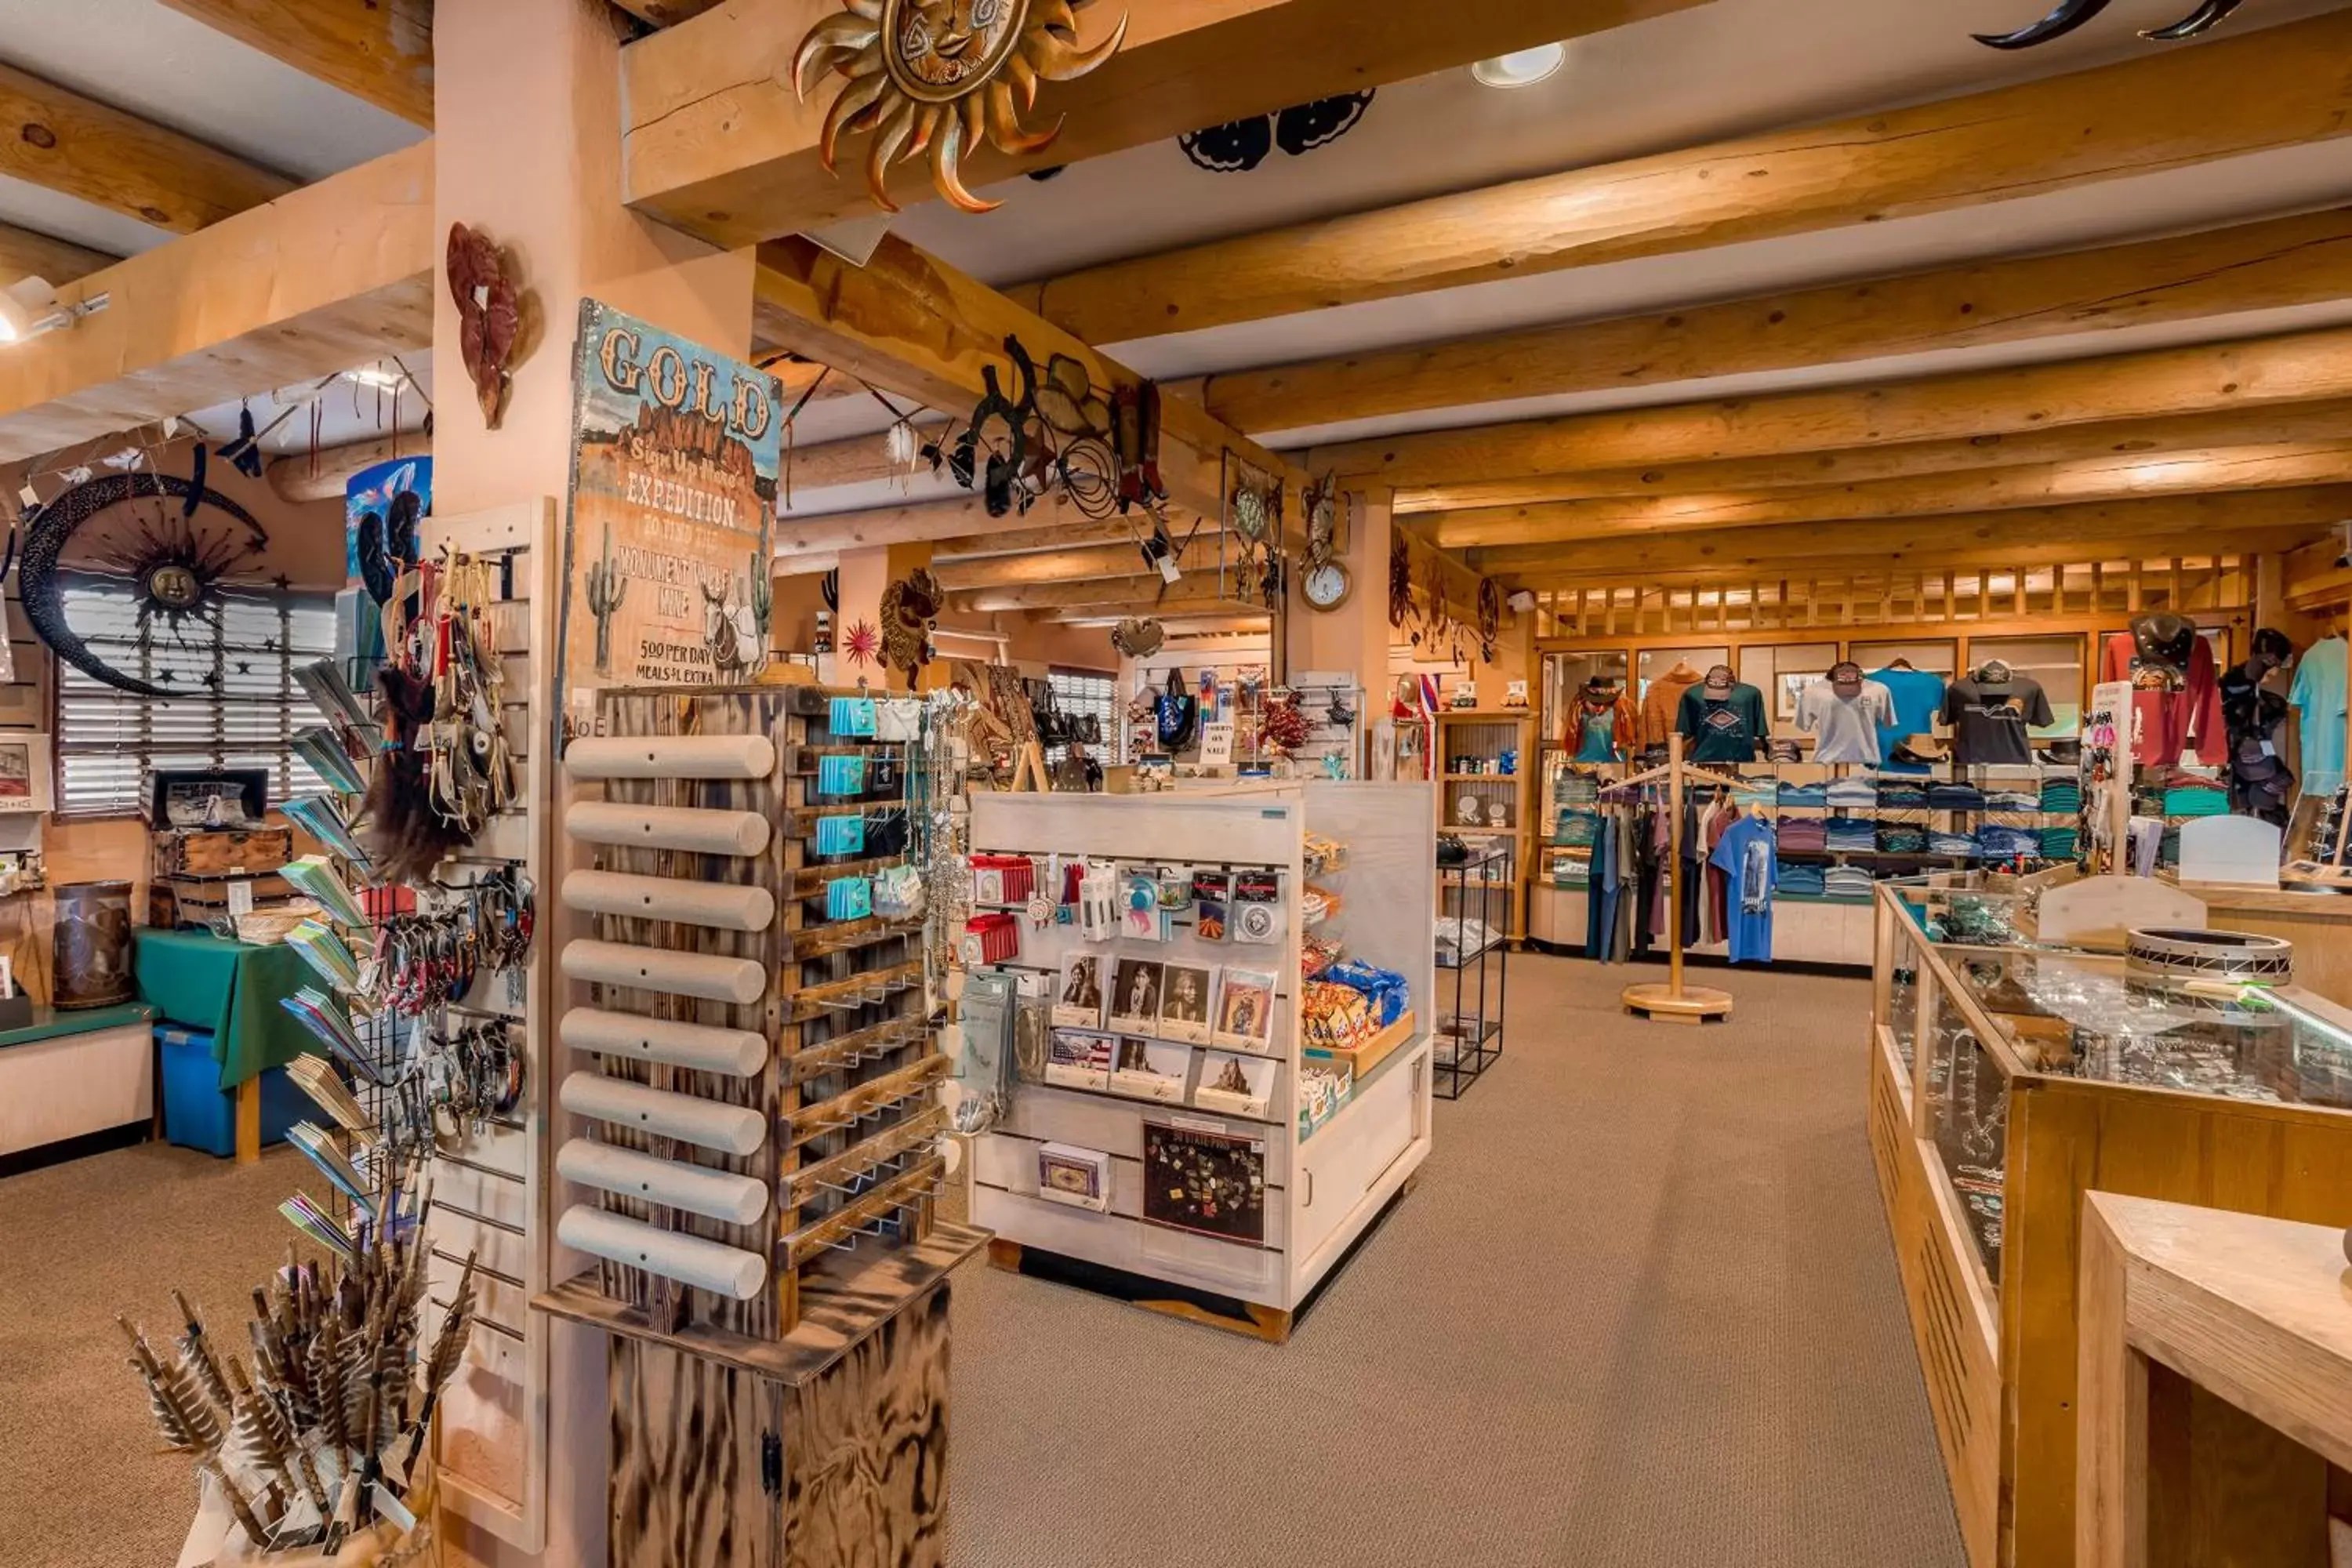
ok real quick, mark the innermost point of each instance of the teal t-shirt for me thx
(1724, 728)
(2318, 698)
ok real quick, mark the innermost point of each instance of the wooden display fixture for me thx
(1361, 1060)
(799, 1352)
(1487, 732)
(1676, 1003)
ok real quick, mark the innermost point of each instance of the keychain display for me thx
(842, 776)
(473, 1076)
(431, 958)
(853, 716)
(849, 898)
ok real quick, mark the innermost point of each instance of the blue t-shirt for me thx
(1919, 698)
(1600, 736)
(2319, 694)
(1745, 855)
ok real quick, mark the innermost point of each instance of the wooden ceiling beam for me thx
(23, 254)
(2248, 375)
(1140, 595)
(325, 475)
(1849, 568)
(666, 13)
(377, 51)
(909, 321)
(66, 143)
(1927, 495)
(2281, 263)
(718, 144)
(2277, 88)
(2226, 522)
(1081, 562)
(332, 276)
(2286, 425)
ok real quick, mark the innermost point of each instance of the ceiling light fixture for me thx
(30, 308)
(1521, 68)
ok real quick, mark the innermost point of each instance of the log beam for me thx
(1142, 596)
(327, 277)
(326, 474)
(720, 145)
(64, 141)
(377, 51)
(2281, 263)
(2034, 485)
(2200, 523)
(1202, 555)
(2277, 88)
(2247, 375)
(23, 254)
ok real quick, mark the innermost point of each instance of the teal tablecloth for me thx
(230, 989)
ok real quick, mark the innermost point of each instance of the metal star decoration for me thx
(863, 642)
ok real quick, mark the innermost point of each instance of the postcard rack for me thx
(1322, 1181)
(753, 1073)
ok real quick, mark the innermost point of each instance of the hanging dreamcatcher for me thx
(1253, 517)
(1439, 627)
(1400, 584)
(1490, 616)
(173, 543)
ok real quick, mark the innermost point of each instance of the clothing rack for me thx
(1673, 1001)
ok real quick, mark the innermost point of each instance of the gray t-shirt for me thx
(1844, 729)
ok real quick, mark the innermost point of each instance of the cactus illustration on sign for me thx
(606, 587)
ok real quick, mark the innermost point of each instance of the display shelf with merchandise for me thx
(1485, 800)
(1313, 1186)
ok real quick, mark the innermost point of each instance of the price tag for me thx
(240, 899)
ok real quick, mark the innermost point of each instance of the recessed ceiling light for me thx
(1521, 68)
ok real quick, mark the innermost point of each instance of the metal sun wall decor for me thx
(175, 559)
(941, 77)
(2071, 14)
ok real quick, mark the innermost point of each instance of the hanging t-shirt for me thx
(1844, 729)
(1919, 697)
(1989, 721)
(1726, 727)
(1745, 855)
(2318, 696)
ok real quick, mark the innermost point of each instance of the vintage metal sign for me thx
(674, 456)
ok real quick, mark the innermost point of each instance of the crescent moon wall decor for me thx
(173, 560)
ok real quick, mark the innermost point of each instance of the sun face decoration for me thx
(940, 75)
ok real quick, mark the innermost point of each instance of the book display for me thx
(1235, 1079)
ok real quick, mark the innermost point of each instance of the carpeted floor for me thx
(1640, 1309)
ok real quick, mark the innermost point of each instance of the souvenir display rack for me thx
(751, 1054)
(2006, 1078)
(1486, 760)
(1468, 1035)
(1323, 1185)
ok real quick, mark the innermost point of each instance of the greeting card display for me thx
(1257, 915)
(1150, 1069)
(1078, 1061)
(1001, 878)
(1078, 1177)
(1212, 892)
(1187, 997)
(1242, 1086)
(1246, 1010)
(1205, 1181)
(1079, 1003)
(1135, 996)
(1140, 916)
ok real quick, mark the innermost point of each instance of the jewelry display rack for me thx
(757, 1168)
(1323, 1185)
(1469, 1039)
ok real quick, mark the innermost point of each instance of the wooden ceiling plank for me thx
(2275, 424)
(667, 12)
(328, 277)
(23, 254)
(1201, 556)
(2108, 478)
(718, 144)
(1143, 593)
(2249, 373)
(2280, 263)
(66, 143)
(377, 51)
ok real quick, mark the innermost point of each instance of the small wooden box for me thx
(222, 852)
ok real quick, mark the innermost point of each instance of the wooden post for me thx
(1673, 1001)
(248, 1122)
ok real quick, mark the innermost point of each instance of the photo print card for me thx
(1076, 1060)
(1187, 1001)
(1239, 1085)
(1078, 1177)
(1204, 1180)
(1135, 996)
(1150, 1069)
(1245, 1011)
(1078, 1004)
(1213, 894)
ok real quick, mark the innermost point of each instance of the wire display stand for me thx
(1468, 1034)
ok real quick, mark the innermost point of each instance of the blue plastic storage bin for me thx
(198, 1113)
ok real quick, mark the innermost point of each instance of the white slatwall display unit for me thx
(488, 1188)
(1321, 1191)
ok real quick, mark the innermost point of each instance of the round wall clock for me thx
(1325, 587)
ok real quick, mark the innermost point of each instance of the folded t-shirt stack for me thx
(1797, 879)
(2059, 843)
(1804, 794)
(1942, 843)
(1998, 841)
(1748, 797)
(1955, 795)
(1576, 789)
(1852, 834)
(2012, 800)
(1857, 792)
(1575, 827)
(2189, 795)
(1846, 882)
(2062, 792)
(2167, 848)
(1895, 839)
(1894, 796)
(1805, 834)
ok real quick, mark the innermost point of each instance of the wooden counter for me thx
(2215, 1388)
(2319, 924)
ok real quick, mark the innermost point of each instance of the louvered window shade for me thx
(241, 710)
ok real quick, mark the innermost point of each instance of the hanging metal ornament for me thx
(1400, 584)
(1490, 616)
(1253, 517)
(173, 563)
(911, 611)
(939, 76)
(1138, 638)
(2072, 14)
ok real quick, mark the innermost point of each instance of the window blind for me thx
(1082, 691)
(241, 709)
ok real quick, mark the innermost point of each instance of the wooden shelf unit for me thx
(1487, 732)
